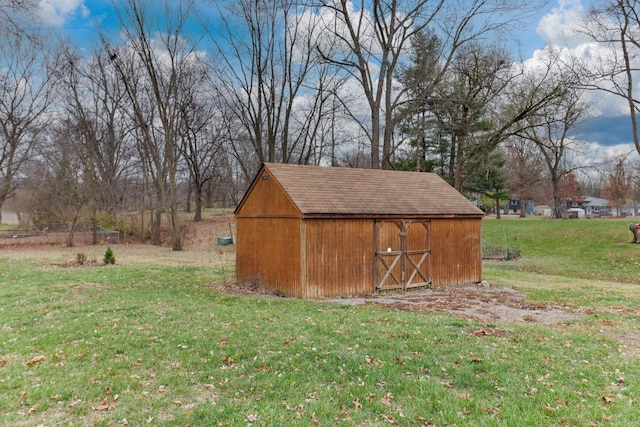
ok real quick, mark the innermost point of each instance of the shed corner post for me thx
(480, 250)
(303, 260)
(375, 256)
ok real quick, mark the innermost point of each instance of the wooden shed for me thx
(311, 232)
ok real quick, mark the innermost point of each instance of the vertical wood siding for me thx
(266, 198)
(418, 247)
(268, 251)
(268, 238)
(339, 257)
(456, 251)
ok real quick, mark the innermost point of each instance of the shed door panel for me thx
(417, 253)
(388, 247)
(402, 252)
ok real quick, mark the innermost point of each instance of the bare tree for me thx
(14, 15)
(616, 27)
(26, 92)
(93, 97)
(525, 170)
(268, 74)
(550, 130)
(369, 47)
(635, 187)
(202, 133)
(60, 184)
(373, 38)
(463, 104)
(477, 103)
(152, 66)
(619, 186)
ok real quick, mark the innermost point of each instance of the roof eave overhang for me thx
(309, 215)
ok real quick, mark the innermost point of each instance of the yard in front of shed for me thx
(155, 340)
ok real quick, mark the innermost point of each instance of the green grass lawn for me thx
(589, 261)
(152, 344)
(596, 249)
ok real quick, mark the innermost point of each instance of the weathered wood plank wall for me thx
(339, 257)
(268, 250)
(456, 251)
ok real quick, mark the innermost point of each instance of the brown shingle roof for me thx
(319, 190)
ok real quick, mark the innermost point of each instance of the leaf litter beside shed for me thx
(479, 302)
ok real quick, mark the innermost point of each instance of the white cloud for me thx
(559, 27)
(56, 12)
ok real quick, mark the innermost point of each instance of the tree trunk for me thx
(154, 226)
(389, 125)
(189, 194)
(94, 225)
(72, 231)
(375, 138)
(458, 179)
(176, 232)
(198, 214)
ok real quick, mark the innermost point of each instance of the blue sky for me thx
(609, 129)
(77, 19)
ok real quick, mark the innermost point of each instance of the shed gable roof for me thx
(319, 190)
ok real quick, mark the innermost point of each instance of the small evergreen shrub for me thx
(109, 258)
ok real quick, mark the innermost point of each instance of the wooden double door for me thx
(402, 254)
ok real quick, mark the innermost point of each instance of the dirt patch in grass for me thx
(629, 343)
(481, 302)
(240, 289)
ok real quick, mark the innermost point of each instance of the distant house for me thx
(515, 206)
(544, 210)
(310, 231)
(594, 206)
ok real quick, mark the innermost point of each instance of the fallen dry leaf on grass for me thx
(386, 400)
(389, 419)
(371, 361)
(35, 360)
(105, 405)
